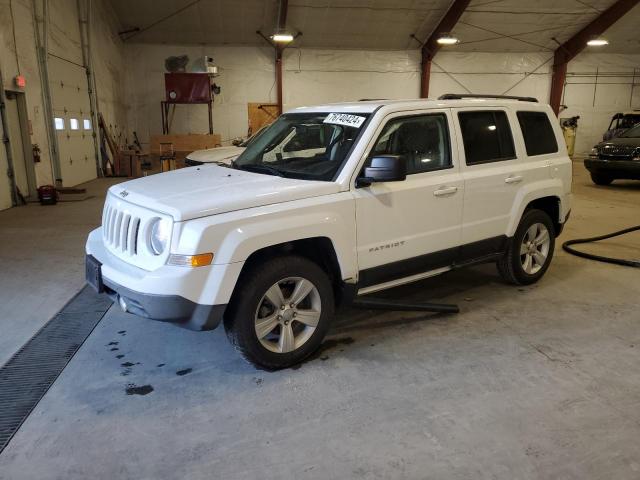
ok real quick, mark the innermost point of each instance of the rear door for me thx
(408, 227)
(492, 174)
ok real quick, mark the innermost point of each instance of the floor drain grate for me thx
(27, 376)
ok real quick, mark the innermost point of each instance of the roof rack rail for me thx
(460, 96)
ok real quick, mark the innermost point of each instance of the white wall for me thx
(109, 67)
(529, 74)
(25, 58)
(317, 76)
(596, 103)
(108, 57)
(247, 75)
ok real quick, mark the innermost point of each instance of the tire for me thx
(601, 179)
(513, 266)
(286, 339)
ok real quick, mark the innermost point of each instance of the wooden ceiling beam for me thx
(572, 47)
(431, 46)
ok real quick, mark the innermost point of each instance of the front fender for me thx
(234, 236)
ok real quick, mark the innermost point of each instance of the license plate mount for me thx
(93, 273)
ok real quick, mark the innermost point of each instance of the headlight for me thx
(594, 152)
(159, 235)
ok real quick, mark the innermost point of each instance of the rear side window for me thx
(486, 136)
(538, 133)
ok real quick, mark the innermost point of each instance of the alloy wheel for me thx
(288, 314)
(534, 249)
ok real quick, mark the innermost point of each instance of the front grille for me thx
(617, 151)
(125, 227)
(120, 230)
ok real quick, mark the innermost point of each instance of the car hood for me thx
(210, 189)
(213, 155)
(621, 141)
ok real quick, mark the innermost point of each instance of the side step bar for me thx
(384, 304)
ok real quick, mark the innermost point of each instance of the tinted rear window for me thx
(486, 136)
(538, 133)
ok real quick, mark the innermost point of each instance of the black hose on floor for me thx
(617, 261)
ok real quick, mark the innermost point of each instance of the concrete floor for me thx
(42, 259)
(525, 383)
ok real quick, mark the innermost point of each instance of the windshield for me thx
(628, 121)
(309, 146)
(253, 137)
(632, 132)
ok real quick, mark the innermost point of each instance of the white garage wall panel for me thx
(598, 86)
(70, 95)
(319, 76)
(24, 56)
(108, 61)
(247, 76)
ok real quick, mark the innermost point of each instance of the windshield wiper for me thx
(261, 168)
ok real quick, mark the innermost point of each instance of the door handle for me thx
(513, 179)
(443, 191)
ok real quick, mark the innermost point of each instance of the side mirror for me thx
(387, 168)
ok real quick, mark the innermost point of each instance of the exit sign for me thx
(20, 81)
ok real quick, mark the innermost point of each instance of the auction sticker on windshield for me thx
(345, 119)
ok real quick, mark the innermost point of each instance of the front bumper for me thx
(619, 169)
(167, 308)
(192, 297)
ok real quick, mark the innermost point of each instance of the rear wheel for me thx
(281, 311)
(530, 251)
(600, 179)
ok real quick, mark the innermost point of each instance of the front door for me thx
(408, 227)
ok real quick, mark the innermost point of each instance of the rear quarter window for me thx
(539, 137)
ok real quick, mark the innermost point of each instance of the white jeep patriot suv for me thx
(331, 202)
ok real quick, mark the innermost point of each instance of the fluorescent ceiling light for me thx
(598, 42)
(282, 37)
(447, 40)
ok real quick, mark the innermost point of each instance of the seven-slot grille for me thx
(617, 151)
(120, 230)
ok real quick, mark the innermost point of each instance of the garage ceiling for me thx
(486, 25)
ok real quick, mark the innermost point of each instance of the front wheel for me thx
(600, 179)
(280, 312)
(530, 250)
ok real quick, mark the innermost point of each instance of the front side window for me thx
(486, 136)
(309, 146)
(423, 141)
(537, 131)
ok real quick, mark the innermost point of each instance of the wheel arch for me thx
(551, 206)
(319, 250)
(546, 197)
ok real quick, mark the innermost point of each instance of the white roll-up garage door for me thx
(72, 120)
